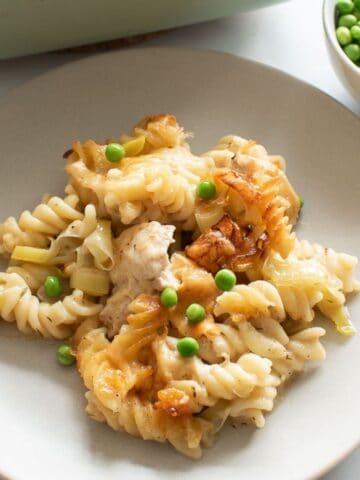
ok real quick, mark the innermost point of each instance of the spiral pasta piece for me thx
(257, 299)
(306, 283)
(341, 265)
(299, 303)
(64, 248)
(255, 200)
(303, 346)
(226, 381)
(300, 348)
(252, 408)
(56, 320)
(34, 275)
(250, 339)
(144, 323)
(112, 398)
(248, 410)
(110, 384)
(140, 419)
(266, 338)
(159, 184)
(252, 159)
(227, 342)
(35, 228)
(160, 131)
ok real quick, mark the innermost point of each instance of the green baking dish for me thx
(31, 26)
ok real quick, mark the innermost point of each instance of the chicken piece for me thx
(228, 245)
(141, 266)
(141, 256)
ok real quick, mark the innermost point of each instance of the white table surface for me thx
(287, 36)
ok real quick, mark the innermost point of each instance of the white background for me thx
(288, 36)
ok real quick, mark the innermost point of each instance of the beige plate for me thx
(44, 430)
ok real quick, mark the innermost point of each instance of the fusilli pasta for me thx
(35, 228)
(141, 419)
(341, 265)
(133, 260)
(160, 185)
(226, 381)
(259, 298)
(145, 322)
(248, 157)
(34, 275)
(256, 201)
(112, 400)
(17, 304)
(303, 346)
(110, 384)
(306, 283)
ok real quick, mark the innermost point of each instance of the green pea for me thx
(187, 347)
(195, 313)
(168, 297)
(301, 200)
(343, 35)
(206, 189)
(353, 51)
(114, 152)
(65, 356)
(347, 21)
(355, 32)
(53, 286)
(225, 279)
(345, 6)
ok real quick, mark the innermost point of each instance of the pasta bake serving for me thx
(177, 280)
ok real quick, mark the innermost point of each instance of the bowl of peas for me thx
(341, 20)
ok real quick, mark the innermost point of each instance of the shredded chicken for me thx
(141, 266)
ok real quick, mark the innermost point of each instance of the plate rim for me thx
(4, 100)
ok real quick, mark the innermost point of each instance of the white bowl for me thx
(347, 71)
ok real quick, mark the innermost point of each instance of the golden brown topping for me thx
(242, 183)
(93, 156)
(160, 118)
(227, 244)
(262, 205)
(196, 286)
(160, 131)
(173, 401)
